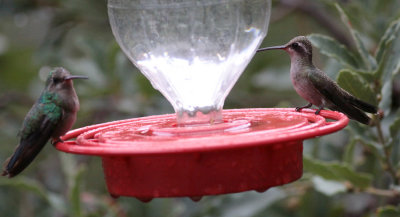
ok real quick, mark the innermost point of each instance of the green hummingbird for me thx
(316, 87)
(51, 116)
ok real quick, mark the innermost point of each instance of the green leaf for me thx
(362, 136)
(332, 48)
(356, 85)
(374, 148)
(395, 127)
(73, 173)
(389, 63)
(367, 59)
(361, 180)
(336, 172)
(35, 187)
(360, 131)
(387, 39)
(26, 184)
(69, 167)
(395, 139)
(386, 92)
(75, 193)
(388, 211)
(328, 187)
(349, 152)
(318, 168)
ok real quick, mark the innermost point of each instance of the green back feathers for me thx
(38, 116)
(50, 105)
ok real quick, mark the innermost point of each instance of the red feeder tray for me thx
(253, 149)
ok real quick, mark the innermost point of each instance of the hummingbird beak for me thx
(76, 77)
(282, 47)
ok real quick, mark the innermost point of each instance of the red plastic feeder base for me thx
(253, 149)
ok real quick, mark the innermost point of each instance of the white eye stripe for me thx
(301, 45)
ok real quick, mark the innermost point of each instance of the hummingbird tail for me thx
(353, 113)
(359, 116)
(364, 106)
(5, 171)
(21, 158)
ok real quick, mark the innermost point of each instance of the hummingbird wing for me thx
(339, 99)
(362, 105)
(37, 129)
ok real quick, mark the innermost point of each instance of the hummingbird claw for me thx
(319, 110)
(55, 141)
(298, 109)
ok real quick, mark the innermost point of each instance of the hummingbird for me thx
(316, 87)
(52, 115)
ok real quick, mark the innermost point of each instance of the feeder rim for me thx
(203, 144)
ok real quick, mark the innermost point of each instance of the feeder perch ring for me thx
(253, 149)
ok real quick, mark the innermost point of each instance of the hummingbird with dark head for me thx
(52, 115)
(316, 87)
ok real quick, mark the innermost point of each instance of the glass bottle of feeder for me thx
(193, 52)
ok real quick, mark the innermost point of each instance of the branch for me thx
(387, 153)
(382, 192)
(313, 9)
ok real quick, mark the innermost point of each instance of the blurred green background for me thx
(352, 173)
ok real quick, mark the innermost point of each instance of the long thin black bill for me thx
(76, 77)
(271, 48)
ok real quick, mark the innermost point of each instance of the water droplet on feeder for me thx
(145, 199)
(114, 196)
(196, 199)
(262, 190)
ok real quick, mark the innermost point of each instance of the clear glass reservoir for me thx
(192, 51)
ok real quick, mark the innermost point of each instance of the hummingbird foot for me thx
(298, 109)
(55, 141)
(319, 110)
(5, 173)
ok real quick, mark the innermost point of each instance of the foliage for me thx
(369, 77)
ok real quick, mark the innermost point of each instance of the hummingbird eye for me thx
(57, 80)
(295, 45)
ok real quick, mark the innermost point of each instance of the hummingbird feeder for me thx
(193, 52)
